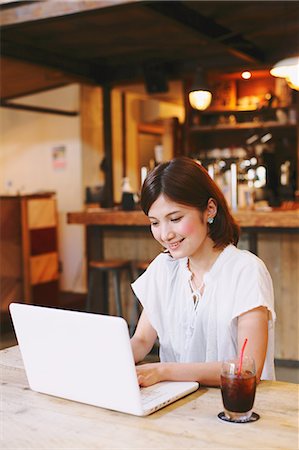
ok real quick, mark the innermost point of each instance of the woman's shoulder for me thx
(241, 259)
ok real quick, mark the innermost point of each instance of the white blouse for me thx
(195, 328)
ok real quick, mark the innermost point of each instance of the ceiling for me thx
(48, 44)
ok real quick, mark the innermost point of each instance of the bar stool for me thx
(138, 267)
(141, 266)
(114, 267)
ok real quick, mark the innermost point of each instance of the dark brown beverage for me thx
(238, 392)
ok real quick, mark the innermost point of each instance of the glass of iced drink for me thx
(238, 389)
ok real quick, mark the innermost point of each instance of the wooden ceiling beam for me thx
(18, 13)
(84, 72)
(234, 43)
(76, 70)
(19, 78)
(80, 71)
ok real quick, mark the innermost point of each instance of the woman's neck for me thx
(202, 263)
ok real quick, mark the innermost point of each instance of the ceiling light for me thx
(200, 95)
(246, 75)
(289, 69)
(293, 80)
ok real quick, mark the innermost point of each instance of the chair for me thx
(114, 267)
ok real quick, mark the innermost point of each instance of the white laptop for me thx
(87, 358)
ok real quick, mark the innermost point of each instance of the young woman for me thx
(202, 296)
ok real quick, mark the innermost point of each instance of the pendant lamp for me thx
(200, 95)
(289, 69)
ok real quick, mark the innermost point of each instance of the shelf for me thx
(239, 126)
(248, 109)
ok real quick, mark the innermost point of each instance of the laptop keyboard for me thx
(151, 394)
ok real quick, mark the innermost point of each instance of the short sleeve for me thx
(254, 289)
(148, 288)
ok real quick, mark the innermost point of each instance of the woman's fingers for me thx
(146, 374)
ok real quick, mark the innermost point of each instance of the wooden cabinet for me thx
(28, 250)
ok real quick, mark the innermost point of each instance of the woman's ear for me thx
(211, 208)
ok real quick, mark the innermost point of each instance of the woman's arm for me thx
(252, 325)
(144, 338)
(205, 373)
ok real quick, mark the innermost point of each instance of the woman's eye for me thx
(154, 224)
(176, 219)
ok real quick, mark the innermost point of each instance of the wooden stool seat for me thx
(110, 264)
(115, 267)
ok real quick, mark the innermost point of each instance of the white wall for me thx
(26, 166)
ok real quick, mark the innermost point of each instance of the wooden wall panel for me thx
(280, 252)
(138, 245)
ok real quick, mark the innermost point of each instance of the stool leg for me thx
(105, 292)
(135, 308)
(136, 311)
(90, 290)
(116, 281)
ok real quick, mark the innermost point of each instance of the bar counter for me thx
(38, 421)
(272, 235)
(245, 218)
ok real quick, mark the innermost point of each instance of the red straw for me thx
(241, 357)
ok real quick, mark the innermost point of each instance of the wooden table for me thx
(37, 421)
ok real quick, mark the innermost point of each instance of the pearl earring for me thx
(210, 220)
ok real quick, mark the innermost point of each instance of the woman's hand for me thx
(148, 374)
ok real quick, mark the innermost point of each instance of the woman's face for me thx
(181, 229)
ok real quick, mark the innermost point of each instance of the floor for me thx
(284, 370)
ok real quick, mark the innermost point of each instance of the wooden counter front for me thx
(246, 218)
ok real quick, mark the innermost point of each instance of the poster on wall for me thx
(59, 157)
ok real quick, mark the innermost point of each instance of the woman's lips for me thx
(174, 245)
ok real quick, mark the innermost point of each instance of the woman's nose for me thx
(166, 233)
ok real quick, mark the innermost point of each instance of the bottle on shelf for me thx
(127, 201)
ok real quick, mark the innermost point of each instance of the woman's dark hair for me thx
(185, 181)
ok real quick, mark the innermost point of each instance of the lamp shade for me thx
(200, 95)
(293, 80)
(289, 69)
(200, 99)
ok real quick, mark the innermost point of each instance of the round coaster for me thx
(253, 418)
